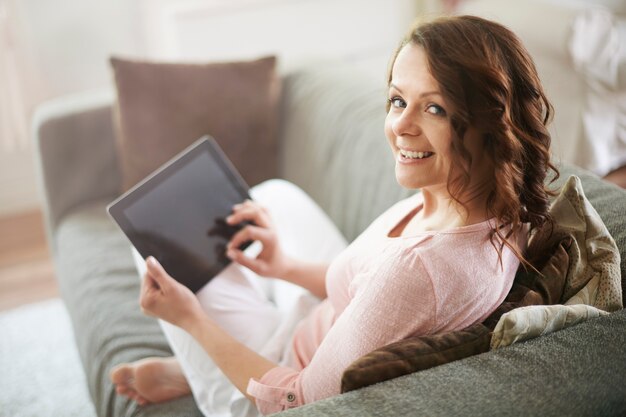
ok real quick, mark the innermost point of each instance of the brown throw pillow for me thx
(415, 354)
(164, 107)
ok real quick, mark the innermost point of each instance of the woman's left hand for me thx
(164, 297)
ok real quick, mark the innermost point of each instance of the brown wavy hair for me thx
(488, 76)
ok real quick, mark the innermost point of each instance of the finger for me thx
(249, 204)
(255, 214)
(246, 203)
(157, 273)
(249, 233)
(254, 264)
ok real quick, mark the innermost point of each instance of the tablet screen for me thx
(178, 213)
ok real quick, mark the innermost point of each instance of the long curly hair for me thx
(490, 79)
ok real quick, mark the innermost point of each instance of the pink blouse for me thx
(383, 289)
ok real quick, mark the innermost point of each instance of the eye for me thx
(397, 102)
(435, 110)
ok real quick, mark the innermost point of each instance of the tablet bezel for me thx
(206, 144)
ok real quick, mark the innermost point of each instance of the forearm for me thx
(311, 276)
(235, 360)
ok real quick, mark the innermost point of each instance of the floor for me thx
(26, 269)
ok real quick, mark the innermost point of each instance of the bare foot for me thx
(150, 380)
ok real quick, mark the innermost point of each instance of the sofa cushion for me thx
(100, 287)
(164, 107)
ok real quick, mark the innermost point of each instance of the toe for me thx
(122, 374)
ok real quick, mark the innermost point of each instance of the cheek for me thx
(442, 139)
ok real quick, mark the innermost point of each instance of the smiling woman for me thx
(466, 124)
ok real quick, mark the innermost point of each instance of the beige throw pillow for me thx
(164, 107)
(593, 274)
(593, 252)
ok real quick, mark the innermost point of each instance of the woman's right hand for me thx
(271, 262)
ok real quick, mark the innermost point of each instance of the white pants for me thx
(259, 312)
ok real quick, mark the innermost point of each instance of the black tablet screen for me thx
(178, 216)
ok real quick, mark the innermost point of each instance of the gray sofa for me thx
(332, 145)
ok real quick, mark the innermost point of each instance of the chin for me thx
(419, 182)
(408, 183)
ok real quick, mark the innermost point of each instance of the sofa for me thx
(332, 145)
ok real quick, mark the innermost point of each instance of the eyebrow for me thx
(424, 94)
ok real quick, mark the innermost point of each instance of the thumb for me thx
(156, 271)
(254, 264)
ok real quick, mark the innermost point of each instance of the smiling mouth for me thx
(415, 155)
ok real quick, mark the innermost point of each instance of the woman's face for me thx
(417, 126)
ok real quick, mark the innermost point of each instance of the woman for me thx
(466, 124)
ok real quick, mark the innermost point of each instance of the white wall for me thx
(297, 31)
(72, 40)
(68, 44)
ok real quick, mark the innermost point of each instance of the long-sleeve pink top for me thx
(382, 289)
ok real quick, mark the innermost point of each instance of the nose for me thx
(407, 123)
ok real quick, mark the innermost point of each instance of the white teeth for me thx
(414, 155)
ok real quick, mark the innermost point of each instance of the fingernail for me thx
(230, 253)
(152, 261)
(229, 219)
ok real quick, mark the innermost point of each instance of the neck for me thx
(440, 211)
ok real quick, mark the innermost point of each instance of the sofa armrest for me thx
(75, 153)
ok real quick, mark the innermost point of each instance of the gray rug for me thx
(40, 371)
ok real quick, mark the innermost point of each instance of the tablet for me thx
(177, 214)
